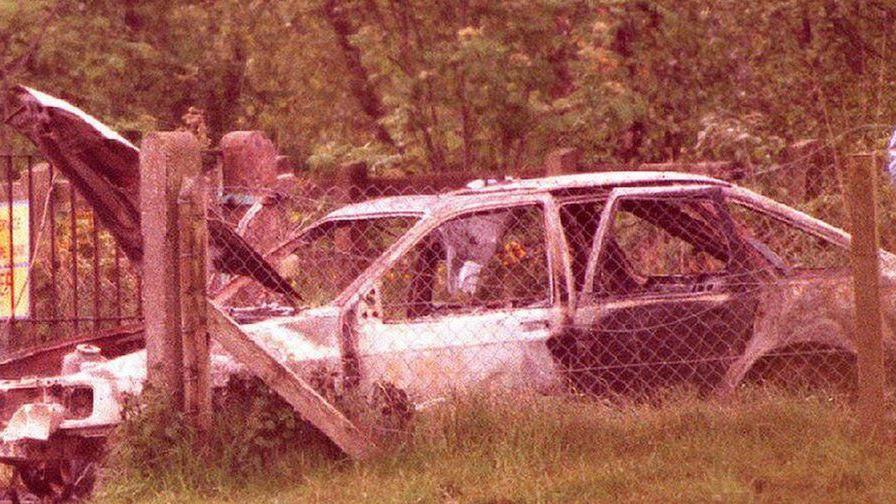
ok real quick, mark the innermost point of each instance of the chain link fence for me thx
(406, 295)
(621, 291)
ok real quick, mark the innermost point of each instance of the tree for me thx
(408, 85)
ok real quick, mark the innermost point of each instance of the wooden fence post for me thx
(353, 181)
(193, 249)
(562, 162)
(353, 186)
(165, 160)
(862, 204)
(291, 387)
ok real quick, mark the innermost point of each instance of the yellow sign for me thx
(14, 292)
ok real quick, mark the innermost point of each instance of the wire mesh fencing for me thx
(393, 297)
(401, 302)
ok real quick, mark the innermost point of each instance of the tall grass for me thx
(765, 446)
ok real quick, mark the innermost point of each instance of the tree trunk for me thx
(359, 82)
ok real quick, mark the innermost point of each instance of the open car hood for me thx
(105, 168)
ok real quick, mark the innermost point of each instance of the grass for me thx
(765, 447)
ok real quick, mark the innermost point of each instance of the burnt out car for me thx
(597, 283)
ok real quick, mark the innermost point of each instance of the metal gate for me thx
(61, 274)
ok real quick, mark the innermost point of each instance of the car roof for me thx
(606, 179)
(417, 204)
(420, 204)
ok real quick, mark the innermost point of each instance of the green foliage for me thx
(253, 432)
(476, 85)
(153, 436)
(736, 139)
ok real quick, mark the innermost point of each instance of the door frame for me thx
(605, 225)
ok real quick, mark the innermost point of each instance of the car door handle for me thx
(534, 325)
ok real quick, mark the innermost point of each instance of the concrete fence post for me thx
(861, 195)
(166, 159)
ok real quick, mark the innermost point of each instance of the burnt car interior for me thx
(338, 250)
(677, 287)
(669, 245)
(491, 259)
(663, 246)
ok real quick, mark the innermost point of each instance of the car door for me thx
(669, 292)
(469, 306)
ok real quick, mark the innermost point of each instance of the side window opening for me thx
(661, 245)
(323, 261)
(333, 254)
(786, 246)
(487, 260)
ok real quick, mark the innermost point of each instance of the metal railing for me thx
(63, 275)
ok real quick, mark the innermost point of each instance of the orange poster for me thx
(14, 292)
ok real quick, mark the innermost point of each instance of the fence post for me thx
(862, 204)
(353, 186)
(193, 248)
(353, 181)
(562, 161)
(166, 158)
